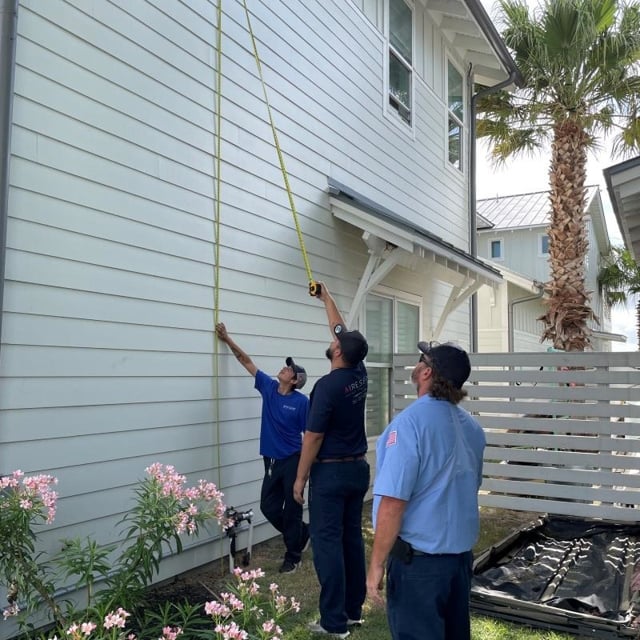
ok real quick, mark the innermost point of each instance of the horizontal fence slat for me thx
(623, 478)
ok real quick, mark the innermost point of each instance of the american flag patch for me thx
(392, 438)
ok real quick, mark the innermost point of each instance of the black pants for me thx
(279, 507)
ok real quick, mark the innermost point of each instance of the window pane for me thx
(399, 86)
(496, 249)
(408, 327)
(379, 323)
(544, 244)
(377, 401)
(454, 88)
(400, 28)
(455, 144)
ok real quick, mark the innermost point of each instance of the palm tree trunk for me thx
(568, 303)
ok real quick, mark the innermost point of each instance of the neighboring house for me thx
(512, 235)
(623, 185)
(107, 358)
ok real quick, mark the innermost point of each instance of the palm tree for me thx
(619, 280)
(579, 60)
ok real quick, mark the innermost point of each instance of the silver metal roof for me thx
(524, 210)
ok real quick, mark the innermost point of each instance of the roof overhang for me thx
(623, 184)
(469, 31)
(393, 241)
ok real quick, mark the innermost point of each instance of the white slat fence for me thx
(563, 430)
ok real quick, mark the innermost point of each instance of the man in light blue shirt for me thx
(425, 512)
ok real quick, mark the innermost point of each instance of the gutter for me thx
(8, 30)
(514, 77)
(512, 304)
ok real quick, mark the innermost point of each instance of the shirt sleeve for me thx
(396, 477)
(263, 382)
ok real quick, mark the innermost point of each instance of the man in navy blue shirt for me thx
(425, 505)
(334, 459)
(284, 416)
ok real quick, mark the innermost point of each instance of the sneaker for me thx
(289, 567)
(355, 623)
(316, 627)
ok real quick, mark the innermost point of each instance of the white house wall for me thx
(108, 358)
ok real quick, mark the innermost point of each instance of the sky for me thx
(531, 173)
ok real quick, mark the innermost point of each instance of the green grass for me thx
(495, 525)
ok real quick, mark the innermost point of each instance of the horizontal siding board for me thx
(85, 305)
(78, 247)
(107, 54)
(46, 270)
(64, 187)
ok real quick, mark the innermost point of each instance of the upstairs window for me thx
(400, 58)
(495, 250)
(455, 103)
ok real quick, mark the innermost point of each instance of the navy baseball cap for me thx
(353, 344)
(450, 361)
(301, 374)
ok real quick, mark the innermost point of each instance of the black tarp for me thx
(562, 573)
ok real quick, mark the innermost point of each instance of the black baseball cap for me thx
(301, 374)
(353, 344)
(450, 361)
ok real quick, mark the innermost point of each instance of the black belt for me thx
(402, 550)
(345, 459)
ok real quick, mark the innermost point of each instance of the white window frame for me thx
(396, 297)
(500, 241)
(389, 109)
(462, 169)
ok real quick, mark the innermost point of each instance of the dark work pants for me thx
(428, 599)
(279, 507)
(336, 493)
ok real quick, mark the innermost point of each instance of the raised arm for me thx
(333, 315)
(241, 356)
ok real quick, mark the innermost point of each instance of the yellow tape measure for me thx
(314, 287)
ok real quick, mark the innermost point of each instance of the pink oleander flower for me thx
(270, 626)
(87, 627)
(231, 631)
(215, 608)
(170, 633)
(12, 610)
(116, 618)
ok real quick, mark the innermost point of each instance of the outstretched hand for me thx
(221, 331)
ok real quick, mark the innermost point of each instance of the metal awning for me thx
(393, 241)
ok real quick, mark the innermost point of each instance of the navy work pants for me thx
(336, 494)
(428, 599)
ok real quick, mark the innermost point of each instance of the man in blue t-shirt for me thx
(425, 505)
(334, 460)
(284, 416)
